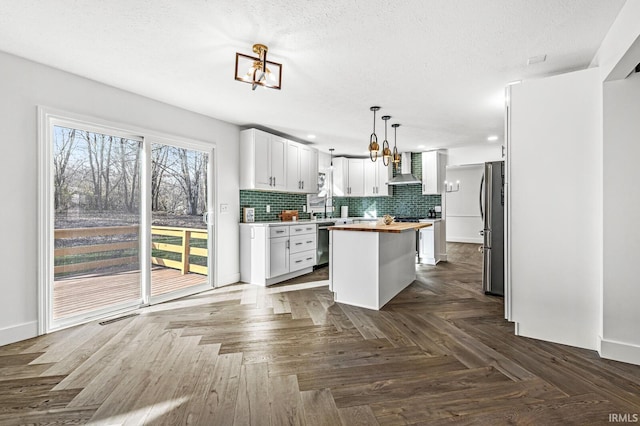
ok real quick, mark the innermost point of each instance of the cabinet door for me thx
(356, 177)
(384, 174)
(304, 169)
(340, 177)
(278, 162)
(430, 173)
(278, 256)
(371, 178)
(293, 167)
(427, 248)
(262, 162)
(312, 188)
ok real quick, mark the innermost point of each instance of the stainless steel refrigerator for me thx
(492, 213)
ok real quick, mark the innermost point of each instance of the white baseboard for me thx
(619, 351)
(472, 240)
(19, 332)
(229, 279)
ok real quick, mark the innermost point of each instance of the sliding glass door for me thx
(125, 220)
(96, 208)
(179, 232)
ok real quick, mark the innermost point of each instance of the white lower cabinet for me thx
(432, 244)
(278, 256)
(270, 254)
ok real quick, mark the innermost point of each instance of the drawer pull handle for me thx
(309, 242)
(298, 261)
(279, 232)
(309, 258)
(298, 229)
(298, 244)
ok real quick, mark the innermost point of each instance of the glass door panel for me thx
(96, 200)
(180, 237)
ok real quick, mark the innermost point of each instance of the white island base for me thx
(368, 269)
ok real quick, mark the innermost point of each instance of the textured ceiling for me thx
(438, 67)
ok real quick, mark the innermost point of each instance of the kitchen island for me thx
(371, 263)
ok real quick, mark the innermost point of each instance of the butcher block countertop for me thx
(374, 227)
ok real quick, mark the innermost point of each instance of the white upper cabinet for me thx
(293, 167)
(376, 176)
(314, 158)
(262, 164)
(302, 168)
(270, 162)
(360, 177)
(356, 177)
(340, 178)
(433, 172)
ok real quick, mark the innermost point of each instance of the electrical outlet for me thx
(224, 208)
(268, 208)
(304, 209)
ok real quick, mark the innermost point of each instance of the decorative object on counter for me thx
(248, 214)
(431, 214)
(386, 152)
(373, 139)
(344, 211)
(259, 71)
(288, 215)
(448, 186)
(396, 154)
(388, 219)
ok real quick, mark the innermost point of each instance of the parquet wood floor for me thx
(439, 353)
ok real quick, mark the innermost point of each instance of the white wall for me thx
(23, 86)
(555, 161)
(474, 154)
(463, 207)
(621, 292)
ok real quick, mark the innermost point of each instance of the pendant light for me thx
(373, 139)
(386, 152)
(396, 154)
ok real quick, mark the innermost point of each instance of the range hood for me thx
(405, 177)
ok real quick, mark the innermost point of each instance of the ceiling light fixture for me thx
(311, 136)
(373, 139)
(396, 154)
(492, 138)
(386, 152)
(259, 71)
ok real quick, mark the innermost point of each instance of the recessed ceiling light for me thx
(492, 138)
(420, 146)
(311, 136)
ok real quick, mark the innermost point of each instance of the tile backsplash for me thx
(407, 200)
(277, 200)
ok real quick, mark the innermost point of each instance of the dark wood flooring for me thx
(439, 353)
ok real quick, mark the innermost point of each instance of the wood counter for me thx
(395, 227)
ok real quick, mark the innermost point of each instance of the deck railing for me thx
(128, 255)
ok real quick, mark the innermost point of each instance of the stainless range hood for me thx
(405, 177)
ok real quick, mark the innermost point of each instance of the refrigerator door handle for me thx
(481, 185)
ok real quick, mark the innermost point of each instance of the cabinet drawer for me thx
(301, 229)
(302, 260)
(278, 231)
(302, 243)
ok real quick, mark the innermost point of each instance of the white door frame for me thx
(47, 118)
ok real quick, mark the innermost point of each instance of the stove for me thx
(407, 219)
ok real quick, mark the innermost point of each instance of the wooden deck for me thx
(72, 296)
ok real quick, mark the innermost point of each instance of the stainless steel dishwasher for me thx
(322, 256)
